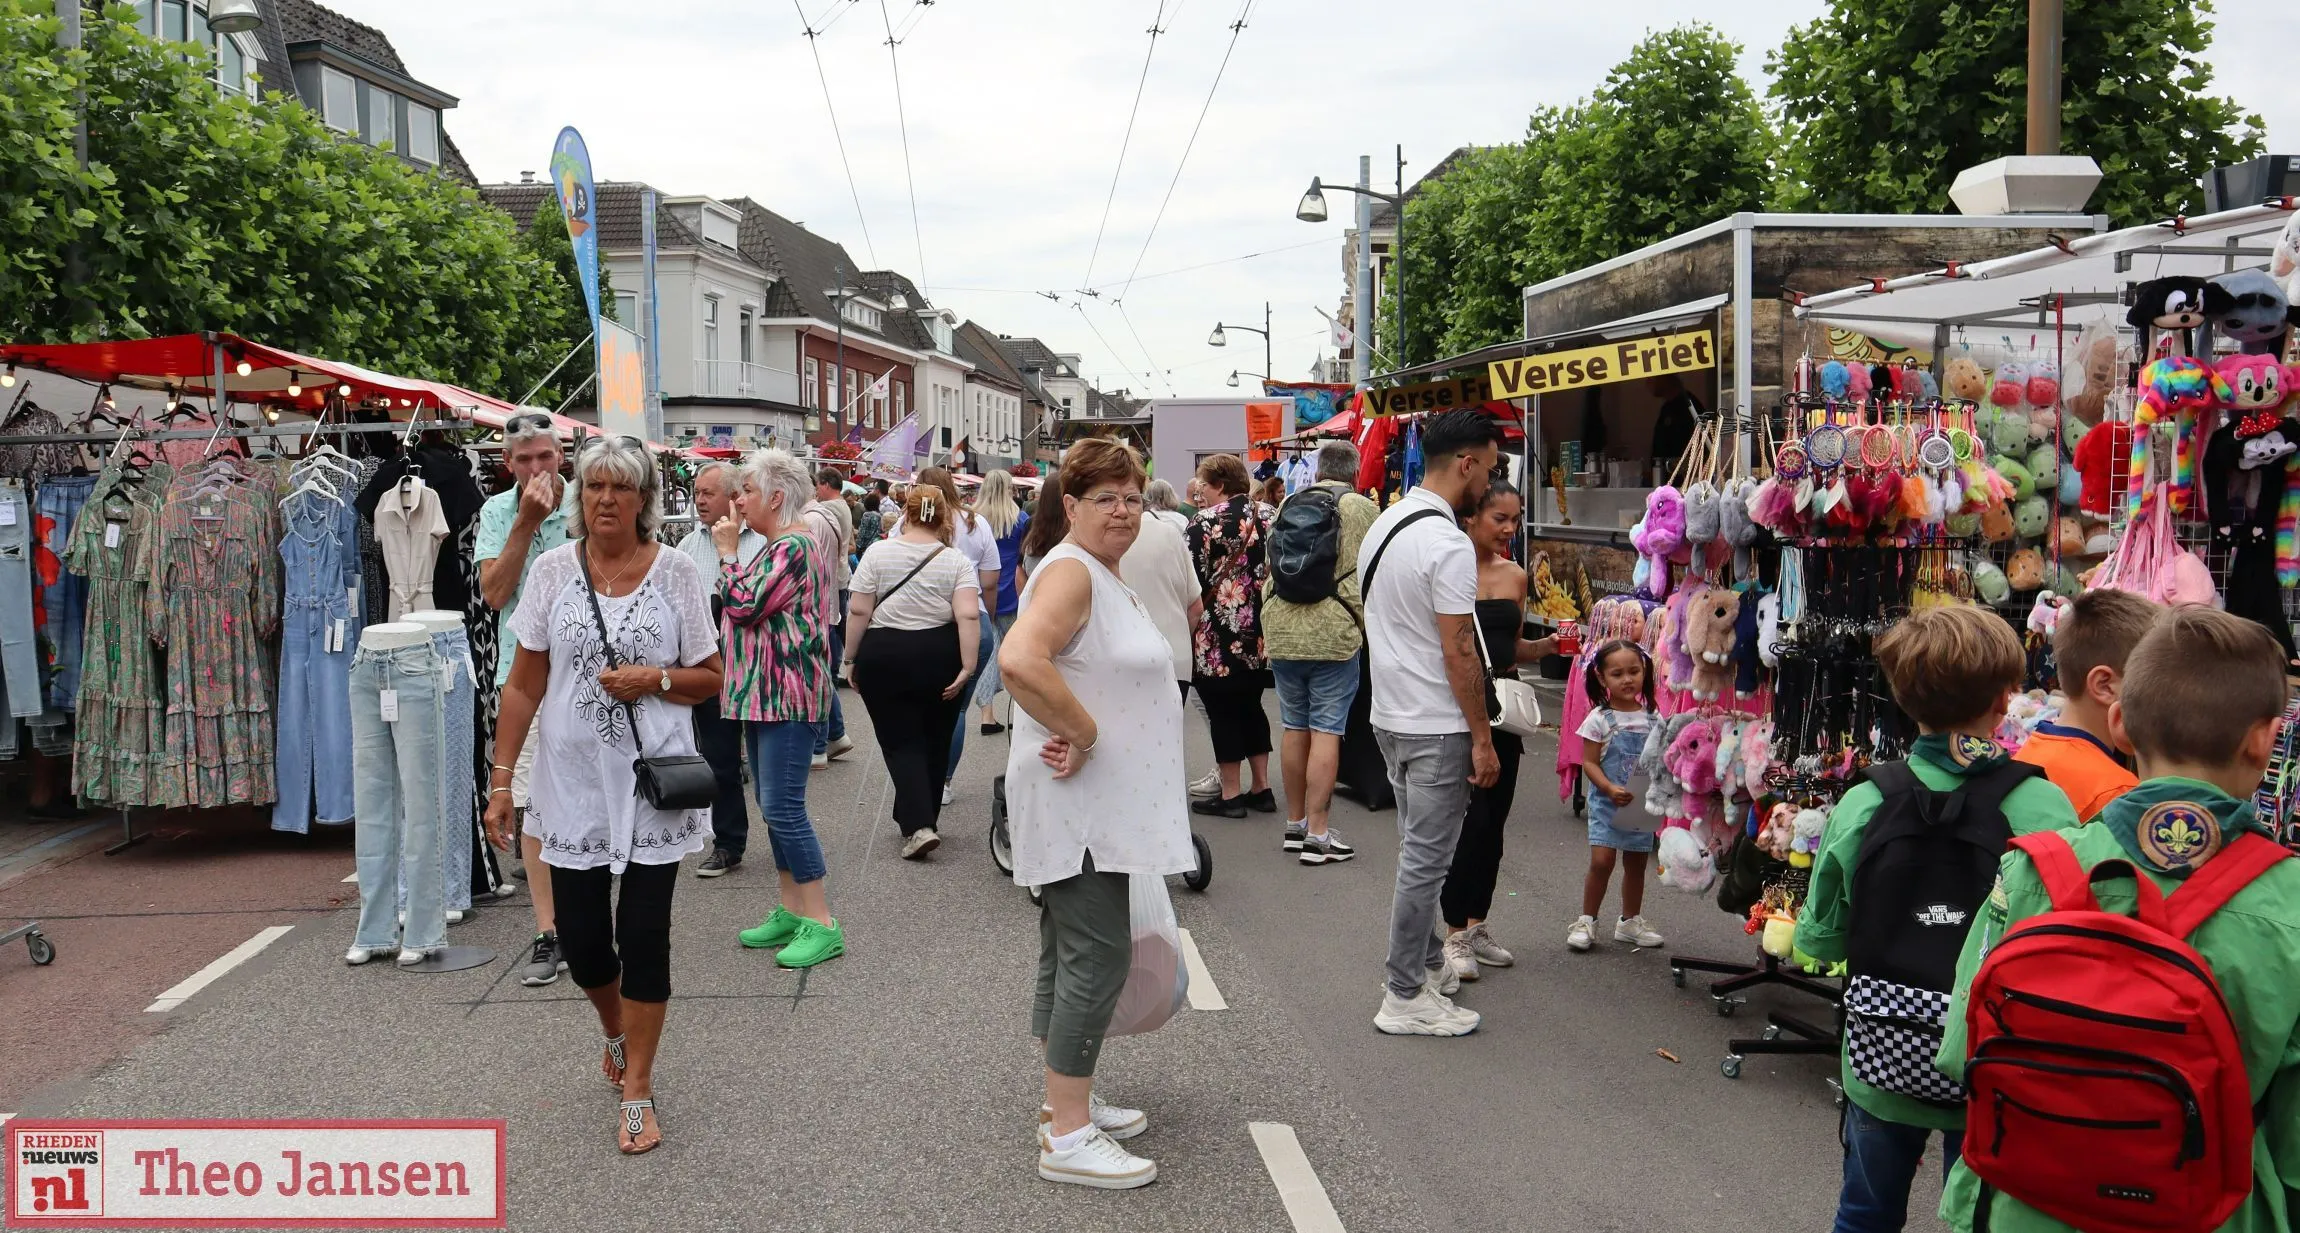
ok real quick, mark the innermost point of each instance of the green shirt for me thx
(2034, 806)
(495, 521)
(1326, 631)
(2253, 947)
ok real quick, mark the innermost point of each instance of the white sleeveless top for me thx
(1129, 804)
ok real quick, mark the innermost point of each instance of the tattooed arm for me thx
(1465, 673)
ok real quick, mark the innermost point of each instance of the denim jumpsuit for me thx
(320, 556)
(1619, 762)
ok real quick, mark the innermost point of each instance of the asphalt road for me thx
(895, 1088)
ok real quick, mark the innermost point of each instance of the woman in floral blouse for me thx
(1231, 670)
(779, 685)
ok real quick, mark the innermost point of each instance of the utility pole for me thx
(1267, 371)
(2044, 76)
(1362, 311)
(839, 368)
(1398, 253)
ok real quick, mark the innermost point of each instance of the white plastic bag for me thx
(1156, 981)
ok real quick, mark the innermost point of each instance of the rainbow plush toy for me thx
(2177, 390)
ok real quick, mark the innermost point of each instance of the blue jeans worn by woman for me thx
(780, 753)
(984, 660)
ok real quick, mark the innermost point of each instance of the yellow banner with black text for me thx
(1629, 360)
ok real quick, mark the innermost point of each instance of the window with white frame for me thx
(878, 404)
(711, 328)
(814, 383)
(743, 340)
(899, 412)
(379, 116)
(339, 99)
(858, 313)
(627, 308)
(848, 391)
(422, 134)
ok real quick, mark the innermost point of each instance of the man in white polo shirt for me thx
(1428, 706)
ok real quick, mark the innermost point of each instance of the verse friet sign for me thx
(278, 1174)
(1429, 396)
(1629, 360)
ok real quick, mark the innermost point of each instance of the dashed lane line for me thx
(208, 975)
(1298, 1185)
(353, 876)
(1203, 994)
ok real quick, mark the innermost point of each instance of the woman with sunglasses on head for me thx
(616, 646)
(1094, 790)
(914, 605)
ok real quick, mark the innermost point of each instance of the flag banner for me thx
(578, 200)
(1314, 402)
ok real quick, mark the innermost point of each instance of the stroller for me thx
(1002, 845)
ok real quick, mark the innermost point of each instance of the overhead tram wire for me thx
(843, 6)
(1236, 28)
(1124, 142)
(1080, 305)
(856, 193)
(917, 239)
(1207, 265)
(1120, 305)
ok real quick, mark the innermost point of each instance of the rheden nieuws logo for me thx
(337, 1174)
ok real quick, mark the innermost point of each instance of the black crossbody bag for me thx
(667, 782)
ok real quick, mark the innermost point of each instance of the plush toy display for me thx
(2285, 264)
(2008, 433)
(1745, 657)
(2068, 537)
(1836, 379)
(1966, 381)
(1989, 582)
(2252, 499)
(1692, 758)
(1701, 513)
(1858, 382)
(2098, 457)
(2025, 571)
(1710, 619)
(1996, 523)
(2177, 390)
(2031, 517)
(2044, 466)
(1664, 534)
(1769, 629)
(2016, 474)
(2010, 388)
(1806, 830)
(1685, 863)
(2254, 311)
(2177, 303)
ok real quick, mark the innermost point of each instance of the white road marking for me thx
(353, 876)
(208, 975)
(1298, 1185)
(1203, 994)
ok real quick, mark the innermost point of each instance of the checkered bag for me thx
(1892, 1032)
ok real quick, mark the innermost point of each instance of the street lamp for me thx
(1220, 339)
(1313, 210)
(1236, 373)
(234, 16)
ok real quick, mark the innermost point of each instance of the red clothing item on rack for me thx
(2099, 456)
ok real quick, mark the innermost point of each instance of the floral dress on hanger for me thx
(119, 709)
(213, 601)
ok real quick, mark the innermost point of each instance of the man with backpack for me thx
(1904, 869)
(1311, 622)
(2127, 1012)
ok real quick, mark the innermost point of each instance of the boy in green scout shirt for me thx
(1953, 670)
(2202, 700)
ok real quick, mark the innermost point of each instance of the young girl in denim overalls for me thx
(1620, 682)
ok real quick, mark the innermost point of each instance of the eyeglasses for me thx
(527, 423)
(1108, 502)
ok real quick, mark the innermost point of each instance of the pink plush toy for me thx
(1756, 756)
(1693, 759)
(1664, 535)
(1676, 662)
(1708, 637)
(1859, 382)
(2010, 386)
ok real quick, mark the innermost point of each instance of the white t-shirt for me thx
(1158, 568)
(1431, 571)
(925, 601)
(583, 808)
(980, 543)
(1604, 723)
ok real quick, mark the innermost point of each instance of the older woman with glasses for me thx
(779, 686)
(1094, 785)
(616, 646)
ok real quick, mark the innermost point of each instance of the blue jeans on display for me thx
(835, 728)
(19, 639)
(1881, 1160)
(66, 601)
(312, 740)
(458, 819)
(396, 784)
(986, 656)
(780, 750)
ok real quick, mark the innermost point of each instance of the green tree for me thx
(1672, 140)
(200, 211)
(1885, 101)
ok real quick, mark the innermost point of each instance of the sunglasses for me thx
(620, 439)
(527, 423)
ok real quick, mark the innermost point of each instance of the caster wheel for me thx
(43, 951)
(1726, 1006)
(1677, 977)
(1197, 879)
(1772, 1032)
(1001, 847)
(1731, 1066)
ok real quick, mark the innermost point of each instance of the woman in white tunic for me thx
(1095, 794)
(583, 808)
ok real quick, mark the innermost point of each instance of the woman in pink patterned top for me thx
(778, 685)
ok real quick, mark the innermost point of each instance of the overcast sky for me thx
(1016, 110)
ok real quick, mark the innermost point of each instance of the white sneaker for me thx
(1097, 1161)
(409, 958)
(839, 748)
(1634, 930)
(1113, 1120)
(1424, 1014)
(949, 793)
(1459, 957)
(819, 761)
(1444, 979)
(1488, 951)
(1209, 784)
(1583, 935)
(921, 841)
(360, 954)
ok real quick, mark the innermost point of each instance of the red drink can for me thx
(1569, 637)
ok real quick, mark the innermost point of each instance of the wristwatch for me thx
(666, 682)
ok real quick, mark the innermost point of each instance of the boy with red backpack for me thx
(2127, 1017)
(1904, 869)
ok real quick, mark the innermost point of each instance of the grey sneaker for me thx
(543, 964)
(1458, 956)
(1488, 951)
(1325, 849)
(718, 864)
(1295, 833)
(1208, 784)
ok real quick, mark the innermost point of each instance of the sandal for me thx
(617, 1061)
(635, 1124)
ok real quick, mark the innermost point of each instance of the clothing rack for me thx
(236, 432)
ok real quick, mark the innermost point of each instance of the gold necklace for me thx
(609, 588)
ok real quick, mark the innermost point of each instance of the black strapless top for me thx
(1499, 622)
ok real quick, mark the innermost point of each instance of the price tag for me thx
(335, 635)
(7, 513)
(446, 675)
(390, 700)
(112, 534)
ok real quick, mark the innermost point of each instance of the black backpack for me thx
(1305, 547)
(1925, 869)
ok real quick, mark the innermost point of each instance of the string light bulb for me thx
(343, 391)
(8, 378)
(295, 384)
(246, 368)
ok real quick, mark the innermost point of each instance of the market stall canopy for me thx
(2083, 276)
(1658, 321)
(187, 364)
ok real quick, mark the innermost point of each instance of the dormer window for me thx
(857, 312)
(939, 325)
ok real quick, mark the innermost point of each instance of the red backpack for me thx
(2107, 1084)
